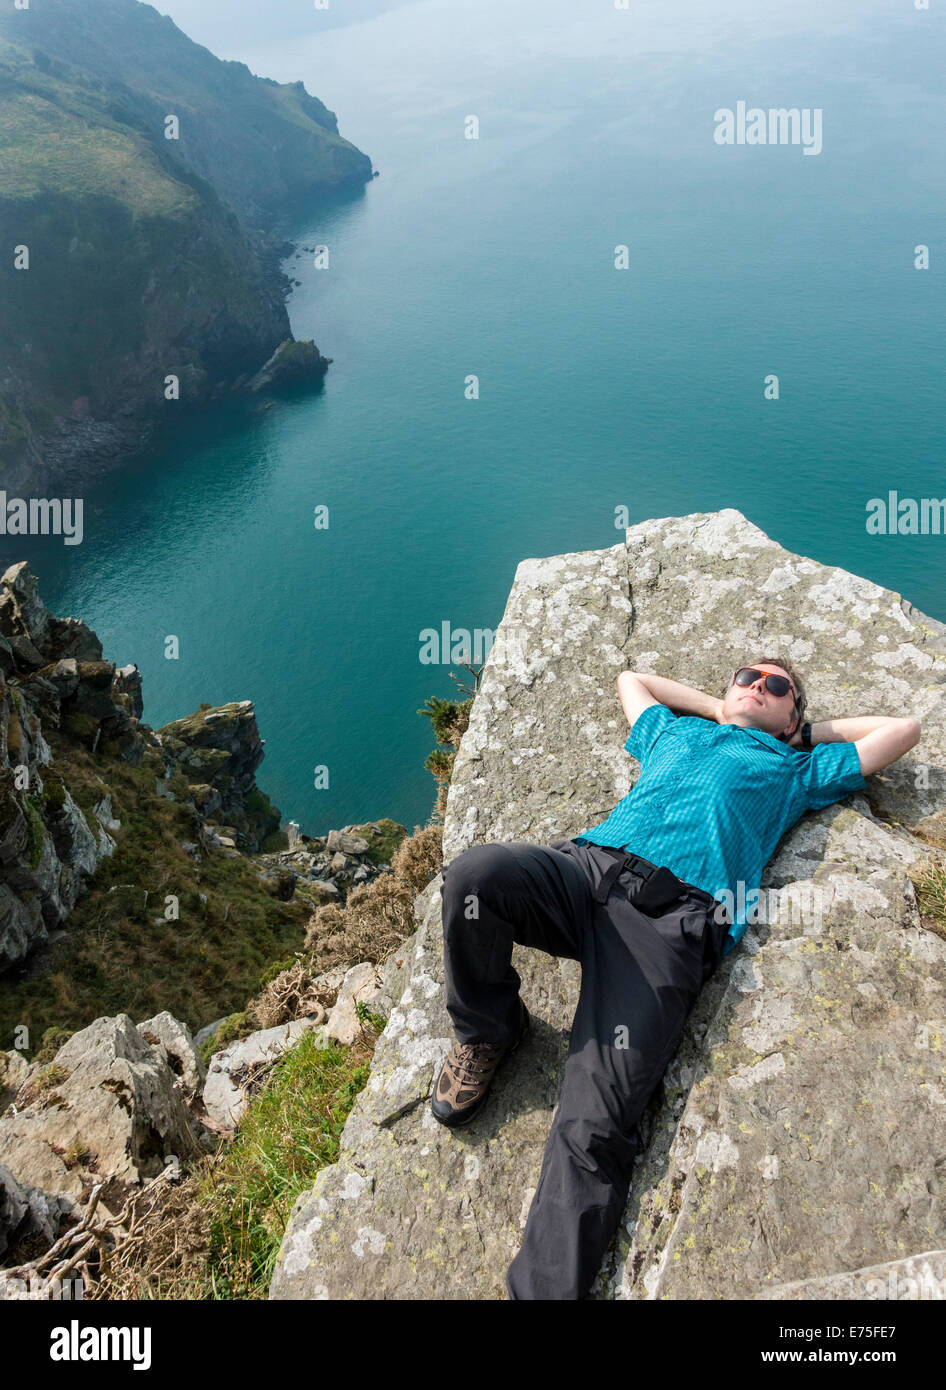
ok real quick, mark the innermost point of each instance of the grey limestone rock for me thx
(113, 1108)
(800, 1132)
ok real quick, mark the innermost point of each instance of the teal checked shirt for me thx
(713, 800)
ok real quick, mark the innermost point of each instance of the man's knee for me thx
(475, 870)
(598, 1138)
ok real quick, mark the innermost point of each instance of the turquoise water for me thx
(598, 388)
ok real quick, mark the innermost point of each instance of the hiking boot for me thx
(467, 1074)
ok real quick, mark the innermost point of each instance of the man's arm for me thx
(879, 739)
(638, 691)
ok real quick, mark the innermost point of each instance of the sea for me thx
(564, 305)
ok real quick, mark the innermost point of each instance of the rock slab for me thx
(800, 1132)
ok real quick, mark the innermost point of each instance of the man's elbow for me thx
(909, 732)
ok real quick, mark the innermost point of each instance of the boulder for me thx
(166, 1032)
(233, 1071)
(110, 1103)
(799, 1132)
(14, 1209)
(331, 981)
(26, 1211)
(362, 984)
(394, 976)
(62, 675)
(14, 1071)
(339, 841)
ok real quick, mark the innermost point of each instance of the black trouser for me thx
(646, 942)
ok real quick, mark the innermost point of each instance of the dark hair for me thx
(801, 698)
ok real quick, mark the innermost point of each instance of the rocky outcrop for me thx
(218, 751)
(27, 1211)
(14, 1071)
(56, 818)
(362, 985)
(292, 363)
(120, 1102)
(180, 1049)
(53, 678)
(112, 1106)
(331, 865)
(798, 1134)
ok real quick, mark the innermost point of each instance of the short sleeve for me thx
(646, 729)
(833, 771)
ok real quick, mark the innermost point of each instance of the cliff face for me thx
(261, 144)
(798, 1134)
(148, 257)
(66, 718)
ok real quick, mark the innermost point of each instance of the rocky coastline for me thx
(187, 254)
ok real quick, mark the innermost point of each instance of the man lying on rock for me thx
(641, 900)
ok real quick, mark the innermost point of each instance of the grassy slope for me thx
(258, 141)
(57, 136)
(136, 268)
(120, 954)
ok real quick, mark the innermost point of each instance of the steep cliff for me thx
(262, 144)
(798, 1134)
(148, 257)
(70, 733)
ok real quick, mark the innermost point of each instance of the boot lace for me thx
(471, 1060)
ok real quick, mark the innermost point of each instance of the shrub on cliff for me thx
(378, 916)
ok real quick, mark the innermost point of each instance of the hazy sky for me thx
(239, 28)
(230, 27)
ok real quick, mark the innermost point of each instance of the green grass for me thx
(290, 1131)
(35, 830)
(381, 847)
(56, 135)
(235, 1025)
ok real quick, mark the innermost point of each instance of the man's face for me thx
(755, 705)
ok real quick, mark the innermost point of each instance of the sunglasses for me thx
(778, 685)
